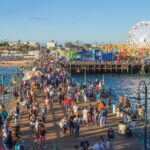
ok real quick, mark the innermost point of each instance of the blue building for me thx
(98, 54)
(89, 55)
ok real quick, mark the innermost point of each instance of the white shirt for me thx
(75, 108)
(98, 147)
(51, 93)
(36, 125)
(85, 113)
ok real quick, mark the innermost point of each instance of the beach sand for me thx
(14, 63)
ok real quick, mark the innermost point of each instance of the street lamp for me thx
(85, 75)
(17, 74)
(70, 69)
(145, 111)
(3, 89)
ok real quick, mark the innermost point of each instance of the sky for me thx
(70, 20)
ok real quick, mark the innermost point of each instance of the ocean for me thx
(122, 85)
(8, 73)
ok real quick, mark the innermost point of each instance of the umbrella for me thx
(27, 77)
(34, 69)
(42, 70)
(29, 73)
(26, 73)
(24, 78)
(38, 73)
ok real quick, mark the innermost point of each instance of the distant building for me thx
(13, 45)
(51, 45)
(32, 44)
(19, 44)
(6, 54)
(33, 54)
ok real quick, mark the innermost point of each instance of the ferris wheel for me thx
(139, 35)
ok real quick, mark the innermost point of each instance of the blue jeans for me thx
(96, 121)
(77, 131)
(102, 121)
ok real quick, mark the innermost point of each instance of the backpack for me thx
(4, 114)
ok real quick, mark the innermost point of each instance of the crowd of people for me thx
(125, 110)
(54, 85)
(10, 133)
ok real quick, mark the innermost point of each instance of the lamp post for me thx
(85, 75)
(145, 112)
(70, 69)
(3, 89)
(17, 79)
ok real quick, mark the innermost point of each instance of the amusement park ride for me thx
(139, 37)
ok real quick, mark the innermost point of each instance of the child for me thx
(42, 132)
(89, 118)
(32, 121)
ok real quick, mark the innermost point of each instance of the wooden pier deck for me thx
(55, 137)
(107, 67)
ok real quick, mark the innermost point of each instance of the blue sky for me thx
(70, 20)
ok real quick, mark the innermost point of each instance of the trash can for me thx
(122, 128)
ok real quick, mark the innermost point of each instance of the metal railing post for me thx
(3, 89)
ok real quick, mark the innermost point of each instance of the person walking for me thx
(75, 109)
(9, 141)
(16, 113)
(4, 135)
(71, 123)
(44, 112)
(65, 124)
(77, 124)
(84, 144)
(1, 122)
(111, 137)
(101, 106)
(103, 116)
(85, 116)
(42, 132)
(140, 112)
(109, 104)
(68, 103)
(96, 114)
(98, 145)
(4, 114)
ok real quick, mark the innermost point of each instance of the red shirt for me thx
(67, 101)
(97, 87)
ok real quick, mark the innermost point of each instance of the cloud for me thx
(38, 18)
